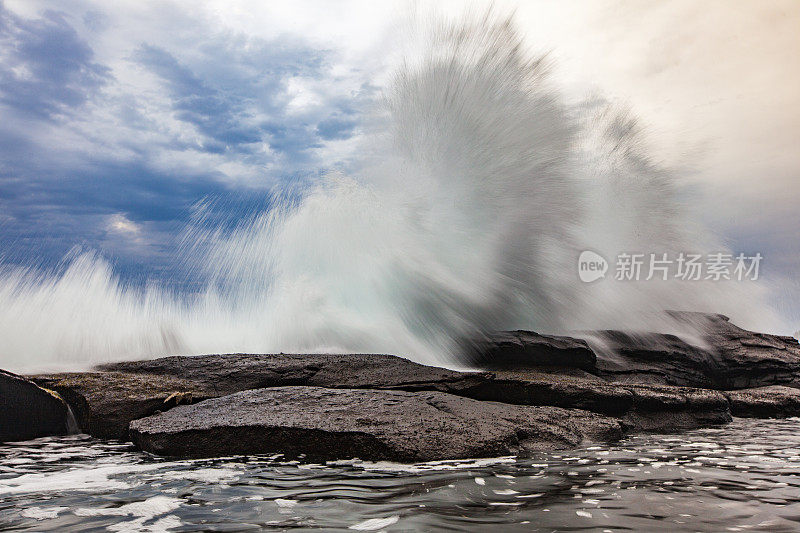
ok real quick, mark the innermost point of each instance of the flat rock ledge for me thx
(323, 424)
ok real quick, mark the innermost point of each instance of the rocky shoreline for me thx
(534, 392)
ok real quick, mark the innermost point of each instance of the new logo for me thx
(591, 266)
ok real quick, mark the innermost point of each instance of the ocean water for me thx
(741, 477)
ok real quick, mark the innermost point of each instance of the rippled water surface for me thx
(742, 477)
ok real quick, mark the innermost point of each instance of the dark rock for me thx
(709, 353)
(722, 356)
(219, 375)
(326, 424)
(646, 381)
(105, 402)
(775, 401)
(651, 358)
(227, 373)
(548, 387)
(28, 411)
(660, 408)
(526, 349)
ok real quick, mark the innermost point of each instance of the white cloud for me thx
(121, 225)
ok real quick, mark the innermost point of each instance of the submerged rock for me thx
(326, 424)
(28, 411)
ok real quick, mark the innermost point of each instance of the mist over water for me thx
(475, 193)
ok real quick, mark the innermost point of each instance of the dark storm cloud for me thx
(78, 147)
(45, 68)
(216, 114)
(44, 219)
(238, 100)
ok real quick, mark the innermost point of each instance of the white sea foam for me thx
(206, 475)
(90, 479)
(284, 503)
(144, 512)
(42, 513)
(449, 464)
(375, 524)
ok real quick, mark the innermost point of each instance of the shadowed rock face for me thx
(721, 356)
(27, 411)
(326, 424)
(725, 357)
(659, 408)
(506, 350)
(775, 401)
(104, 403)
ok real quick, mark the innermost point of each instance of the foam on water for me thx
(742, 476)
(103, 477)
(476, 192)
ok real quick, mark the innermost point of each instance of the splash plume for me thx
(476, 193)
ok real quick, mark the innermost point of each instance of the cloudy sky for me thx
(116, 118)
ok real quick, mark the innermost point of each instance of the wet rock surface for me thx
(659, 408)
(640, 382)
(107, 400)
(27, 411)
(643, 406)
(326, 424)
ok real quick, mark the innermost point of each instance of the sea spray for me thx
(477, 189)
